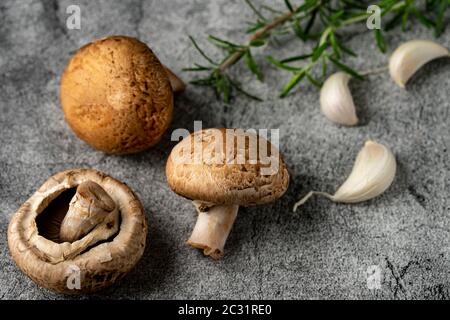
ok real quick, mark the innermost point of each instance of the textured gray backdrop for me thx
(323, 250)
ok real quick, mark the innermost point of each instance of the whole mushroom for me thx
(117, 96)
(220, 170)
(80, 223)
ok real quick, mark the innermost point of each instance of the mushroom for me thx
(220, 170)
(117, 96)
(79, 220)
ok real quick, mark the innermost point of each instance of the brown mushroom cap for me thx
(116, 95)
(224, 181)
(45, 260)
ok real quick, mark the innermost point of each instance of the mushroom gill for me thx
(80, 220)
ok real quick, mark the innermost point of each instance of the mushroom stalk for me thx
(90, 207)
(212, 229)
(175, 82)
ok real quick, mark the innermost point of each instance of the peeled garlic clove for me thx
(411, 56)
(372, 173)
(336, 100)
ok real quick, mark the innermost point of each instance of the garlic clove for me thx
(373, 173)
(336, 100)
(411, 56)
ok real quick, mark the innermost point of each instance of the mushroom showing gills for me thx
(80, 223)
(117, 96)
(220, 170)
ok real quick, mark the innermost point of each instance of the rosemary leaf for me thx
(427, 22)
(296, 26)
(324, 67)
(196, 69)
(252, 65)
(334, 45)
(354, 4)
(318, 51)
(313, 81)
(346, 69)
(335, 17)
(236, 86)
(223, 43)
(405, 18)
(281, 65)
(201, 51)
(203, 82)
(395, 21)
(270, 9)
(257, 43)
(289, 5)
(309, 4)
(256, 11)
(443, 4)
(296, 58)
(346, 50)
(256, 26)
(311, 21)
(292, 83)
(223, 87)
(380, 40)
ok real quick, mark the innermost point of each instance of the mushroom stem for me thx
(212, 229)
(175, 82)
(90, 206)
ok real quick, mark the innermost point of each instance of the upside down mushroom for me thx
(117, 96)
(80, 223)
(220, 170)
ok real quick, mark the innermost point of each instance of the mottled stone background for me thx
(323, 250)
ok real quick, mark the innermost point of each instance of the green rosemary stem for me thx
(232, 59)
(328, 49)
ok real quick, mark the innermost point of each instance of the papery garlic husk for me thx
(373, 172)
(411, 56)
(336, 101)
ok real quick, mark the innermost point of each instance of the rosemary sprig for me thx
(326, 18)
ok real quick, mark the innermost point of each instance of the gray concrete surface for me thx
(322, 251)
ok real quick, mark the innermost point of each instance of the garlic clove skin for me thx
(373, 172)
(411, 56)
(336, 100)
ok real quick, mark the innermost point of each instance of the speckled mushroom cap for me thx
(116, 95)
(215, 176)
(43, 259)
